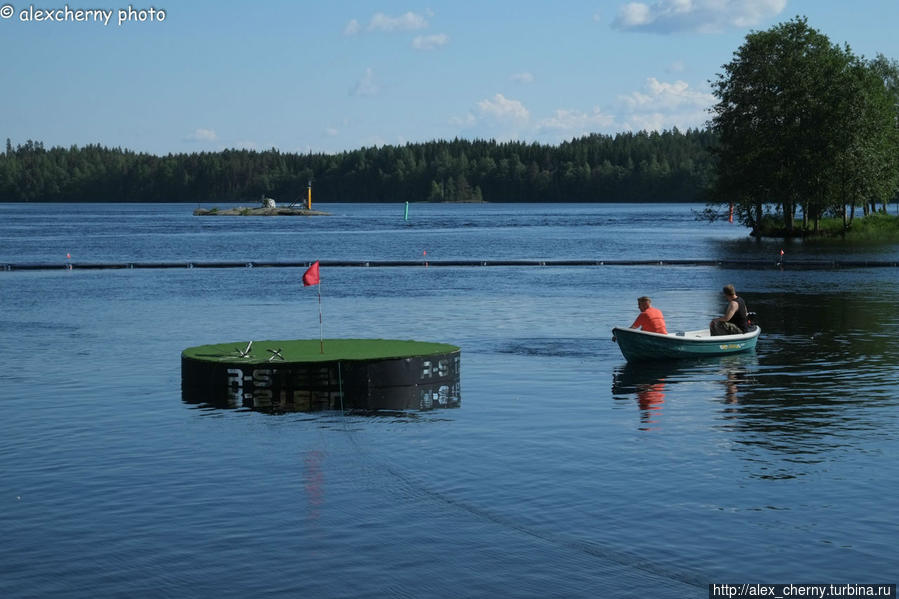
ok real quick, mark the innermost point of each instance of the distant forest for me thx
(671, 166)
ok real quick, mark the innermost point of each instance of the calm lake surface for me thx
(564, 473)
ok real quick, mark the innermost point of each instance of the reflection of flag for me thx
(310, 277)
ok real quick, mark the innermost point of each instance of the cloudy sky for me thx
(328, 76)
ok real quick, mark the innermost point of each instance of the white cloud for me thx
(352, 28)
(658, 94)
(524, 77)
(755, 12)
(331, 132)
(702, 16)
(409, 21)
(503, 110)
(366, 86)
(654, 121)
(662, 105)
(498, 117)
(202, 135)
(633, 14)
(430, 42)
(657, 106)
(468, 120)
(574, 123)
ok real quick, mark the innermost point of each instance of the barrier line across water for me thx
(792, 264)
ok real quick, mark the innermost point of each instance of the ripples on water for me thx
(566, 471)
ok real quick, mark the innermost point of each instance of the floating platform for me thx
(296, 376)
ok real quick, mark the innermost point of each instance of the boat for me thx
(641, 346)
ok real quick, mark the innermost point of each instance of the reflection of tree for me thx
(819, 383)
(833, 314)
(826, 371)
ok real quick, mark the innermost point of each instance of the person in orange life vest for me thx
(650, 319)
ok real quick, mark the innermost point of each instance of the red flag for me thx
(310, 277)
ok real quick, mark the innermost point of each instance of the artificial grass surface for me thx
(309, 350)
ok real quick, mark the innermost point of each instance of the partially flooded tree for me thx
(867, 171)
(883, 89)
(802, 124)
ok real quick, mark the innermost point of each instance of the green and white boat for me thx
(641, 346)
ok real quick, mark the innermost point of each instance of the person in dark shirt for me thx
(736, 318)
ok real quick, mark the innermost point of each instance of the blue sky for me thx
(328, 76)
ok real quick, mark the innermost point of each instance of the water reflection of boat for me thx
(630, 378)
(642, 346)
(647, 383)
(650, 382)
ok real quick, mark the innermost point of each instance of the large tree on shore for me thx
(802, 123)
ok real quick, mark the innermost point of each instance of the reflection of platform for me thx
(351, 374)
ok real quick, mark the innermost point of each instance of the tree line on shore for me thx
(802, 126)
(671, 166)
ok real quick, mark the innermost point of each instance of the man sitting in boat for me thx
(650, 318)
(736, 318)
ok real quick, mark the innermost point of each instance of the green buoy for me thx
(331, 374)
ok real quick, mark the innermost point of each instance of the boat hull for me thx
(640, 346)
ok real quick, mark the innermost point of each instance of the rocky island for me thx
(267, 207)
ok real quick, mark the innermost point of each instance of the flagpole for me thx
(311, 277)
(321, 326)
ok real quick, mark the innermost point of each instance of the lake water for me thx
(565, 472)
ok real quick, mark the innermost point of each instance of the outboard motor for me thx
(753, 319)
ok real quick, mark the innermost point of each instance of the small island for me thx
(267, 207)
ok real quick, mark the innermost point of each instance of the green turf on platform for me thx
(309, 350)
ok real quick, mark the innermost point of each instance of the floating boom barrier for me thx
(748, 264)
